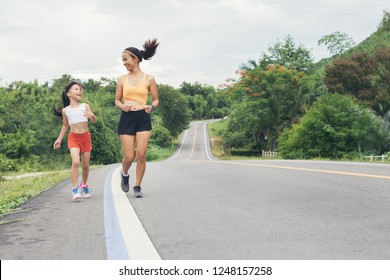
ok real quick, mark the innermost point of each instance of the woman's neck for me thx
(135, 71)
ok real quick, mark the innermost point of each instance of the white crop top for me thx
(76, 115)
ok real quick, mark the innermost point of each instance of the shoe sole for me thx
(136, 195)
(76, 197)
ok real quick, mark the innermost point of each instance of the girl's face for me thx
(75, 92)
(129, 61)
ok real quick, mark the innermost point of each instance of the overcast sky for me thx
(202, 41)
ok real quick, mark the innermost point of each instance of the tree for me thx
(385, 133)
(59, 84)
(247, 124)
(205, 101)
(173, 109)
(196, 89)
(19, 144)
(381, 81)
(363, 76)
(200, 106)
(288, 55)
(91, 85)
(106, 144)
(335, 126)
(337, 42)
(385, 23)
(351, 75)
(160, 135)
(268, 101)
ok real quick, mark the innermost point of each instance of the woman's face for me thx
(129, 61)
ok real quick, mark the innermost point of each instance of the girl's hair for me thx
(147, 53)
(65, 98)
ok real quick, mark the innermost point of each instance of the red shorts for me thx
(81, 141)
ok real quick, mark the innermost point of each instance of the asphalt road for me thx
(198, 207)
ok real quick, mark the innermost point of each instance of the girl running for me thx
(75, 115)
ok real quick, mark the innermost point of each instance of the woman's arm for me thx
(154, 93)
(119, 95)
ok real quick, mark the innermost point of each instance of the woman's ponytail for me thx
(150, 47)
(149, 50)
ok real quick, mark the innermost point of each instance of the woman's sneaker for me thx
(85, 191)
(76, 193)
(137, 192)
(125, 182)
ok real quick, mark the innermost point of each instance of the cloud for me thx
(202, 41)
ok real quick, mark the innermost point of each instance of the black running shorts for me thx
(134, 121)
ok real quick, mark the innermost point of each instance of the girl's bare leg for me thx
(74, 171)
(85, 158)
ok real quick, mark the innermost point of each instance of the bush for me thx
(333, 127)
(161, 136)
(245, 153)
(156, 153)
(7, 164)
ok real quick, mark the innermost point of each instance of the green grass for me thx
(15, 191)
(156, 153)
(217, 128)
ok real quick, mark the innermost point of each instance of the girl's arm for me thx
(89, 114)
(154, 93)
(64, 129)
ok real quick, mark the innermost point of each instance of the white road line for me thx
(181, 145)
(206, 143)
(115, 246)
(138, 244)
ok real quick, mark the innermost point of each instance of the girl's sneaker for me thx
(76, 193)
(85, 191)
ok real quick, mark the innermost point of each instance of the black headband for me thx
(135, 52)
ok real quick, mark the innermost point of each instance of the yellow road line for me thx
(193, 144)
(306, 169)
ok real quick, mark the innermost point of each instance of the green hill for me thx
(377, 40)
